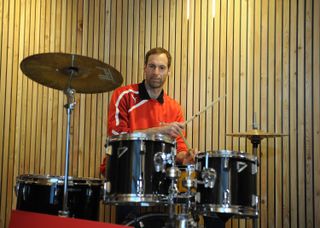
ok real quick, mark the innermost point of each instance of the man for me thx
(145, 107)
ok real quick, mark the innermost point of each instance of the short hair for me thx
(158, 50)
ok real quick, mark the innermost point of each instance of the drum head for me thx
(141, 136)
(227, 154)
(57, 180)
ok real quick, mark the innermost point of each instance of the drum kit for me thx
(141, 168)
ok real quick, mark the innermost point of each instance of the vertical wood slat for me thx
(264, 54)
(316, 110)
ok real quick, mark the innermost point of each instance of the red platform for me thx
(26, 219)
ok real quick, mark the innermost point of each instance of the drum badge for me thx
(241, 166)
(121, 151)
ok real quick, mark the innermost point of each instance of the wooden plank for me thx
(243, 72)
(154, 23)
(223, 75)
(190, 70)
(183, 64)
(293, 116)
(308, 84)
(229, 72)
(4, 165)
(286, 113)
(135, 46)
(159, 23)
(8, 157)
(203, 47)
(166, 42)
(195, 74)
(15, 105)
(301, 102)
(235, 95)
(216, 94)
(316, 109)
(209, 76)
(124, 35)
(278, 181)
(130, 41)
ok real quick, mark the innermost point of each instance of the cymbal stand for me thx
(69, 106)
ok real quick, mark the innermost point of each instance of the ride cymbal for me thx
(62, 71)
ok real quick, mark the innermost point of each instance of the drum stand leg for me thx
(69, 106)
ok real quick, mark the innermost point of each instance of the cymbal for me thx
(61, 71)
(256, 133)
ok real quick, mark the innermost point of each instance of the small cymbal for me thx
(61, 71)
(256, 133)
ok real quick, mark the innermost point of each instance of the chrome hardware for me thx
(159, 160)
(209, 176)
(226, 197)
(142, 147)
(140, 189)
(254, 200)
(173, 172)
(226, 163)
(254, 168)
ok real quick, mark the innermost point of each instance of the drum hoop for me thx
(141, 136)
(59, 180)
(228, 154)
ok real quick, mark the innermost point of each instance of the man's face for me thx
(156, 70)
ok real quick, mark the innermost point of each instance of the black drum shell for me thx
(44, 194)
(123, 171)
(236, 173)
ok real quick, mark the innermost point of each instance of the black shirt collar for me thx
(143, 93)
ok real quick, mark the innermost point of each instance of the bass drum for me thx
(135, 171)
(234, 191)
(44, 194)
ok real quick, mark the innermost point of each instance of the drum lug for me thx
(24, 194)
(255, 200)
(17, 188)
(189, 182)
(209, 176)
(54, 190)
(106, 190)
(173, 172)
(142, 147)
(159, 161)
(140, 189)
(226, 163)
(254, 168)
(226, 197)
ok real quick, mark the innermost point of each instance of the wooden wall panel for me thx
(264, 55)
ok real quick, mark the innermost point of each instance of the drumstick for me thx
(203, 110)
(185, 140)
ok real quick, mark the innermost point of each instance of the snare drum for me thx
(44, 194)
(135, 172)
(233, 190)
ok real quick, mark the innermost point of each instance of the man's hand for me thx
(173, 129)
(187, 157)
